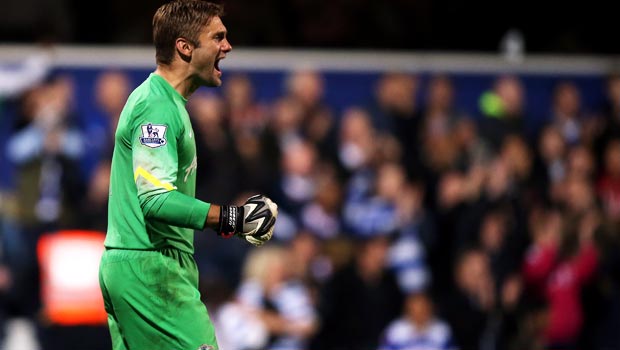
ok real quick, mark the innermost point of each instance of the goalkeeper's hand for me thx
(254, 221)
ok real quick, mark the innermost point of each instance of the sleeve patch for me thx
(153, 135)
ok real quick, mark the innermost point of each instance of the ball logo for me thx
(205, 347)
(153, 135)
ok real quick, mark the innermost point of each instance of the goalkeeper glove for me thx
(254, 221)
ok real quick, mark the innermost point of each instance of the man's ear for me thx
(184, 49)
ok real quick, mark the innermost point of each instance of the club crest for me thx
(153, 135)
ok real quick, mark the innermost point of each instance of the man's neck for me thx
(178, 78)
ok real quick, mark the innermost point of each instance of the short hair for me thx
(260, 262)
(180, 18)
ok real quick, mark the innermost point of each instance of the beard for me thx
(209, 80)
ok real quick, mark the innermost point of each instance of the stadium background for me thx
(350, 47)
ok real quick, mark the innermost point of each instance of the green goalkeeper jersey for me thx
(153, 178)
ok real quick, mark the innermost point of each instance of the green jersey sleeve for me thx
(155, 153)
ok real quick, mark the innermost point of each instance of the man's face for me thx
(213, 47)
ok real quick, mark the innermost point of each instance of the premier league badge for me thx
(153, 135)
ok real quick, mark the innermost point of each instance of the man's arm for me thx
(175, 208)
(213, 217)
(155, 165)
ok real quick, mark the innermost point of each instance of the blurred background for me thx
(447, 173)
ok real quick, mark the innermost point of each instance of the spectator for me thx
(495, 239)
(359, 301)
(112, 87)
(438, 118)
(307, 87)
(286, 121)
(418, 328)
(467, 307)
(581, 162)
(608, 186)
(608, 126)
(414, 238)
(374, 210)
(550, 166)
(518, 156)
(296, 186)
(279, 300)
(439, 153)
(245, 114)
(356, 147)
(246, 121)
(557, 271)
(94, 210)
(472, 149)
(503, 111)
(215, 144)
(439, 114)
(499, 239)
(308, 262)
(395, 111)
(566, 112)
(322, 216)
(46, 153)
(395, 106)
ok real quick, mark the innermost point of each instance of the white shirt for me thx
(401, 334)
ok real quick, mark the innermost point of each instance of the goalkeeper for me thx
(148, 275)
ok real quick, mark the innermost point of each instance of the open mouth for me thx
(217, 64)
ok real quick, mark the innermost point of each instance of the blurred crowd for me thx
(404, 223)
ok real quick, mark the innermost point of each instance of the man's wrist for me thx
(231, 220)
